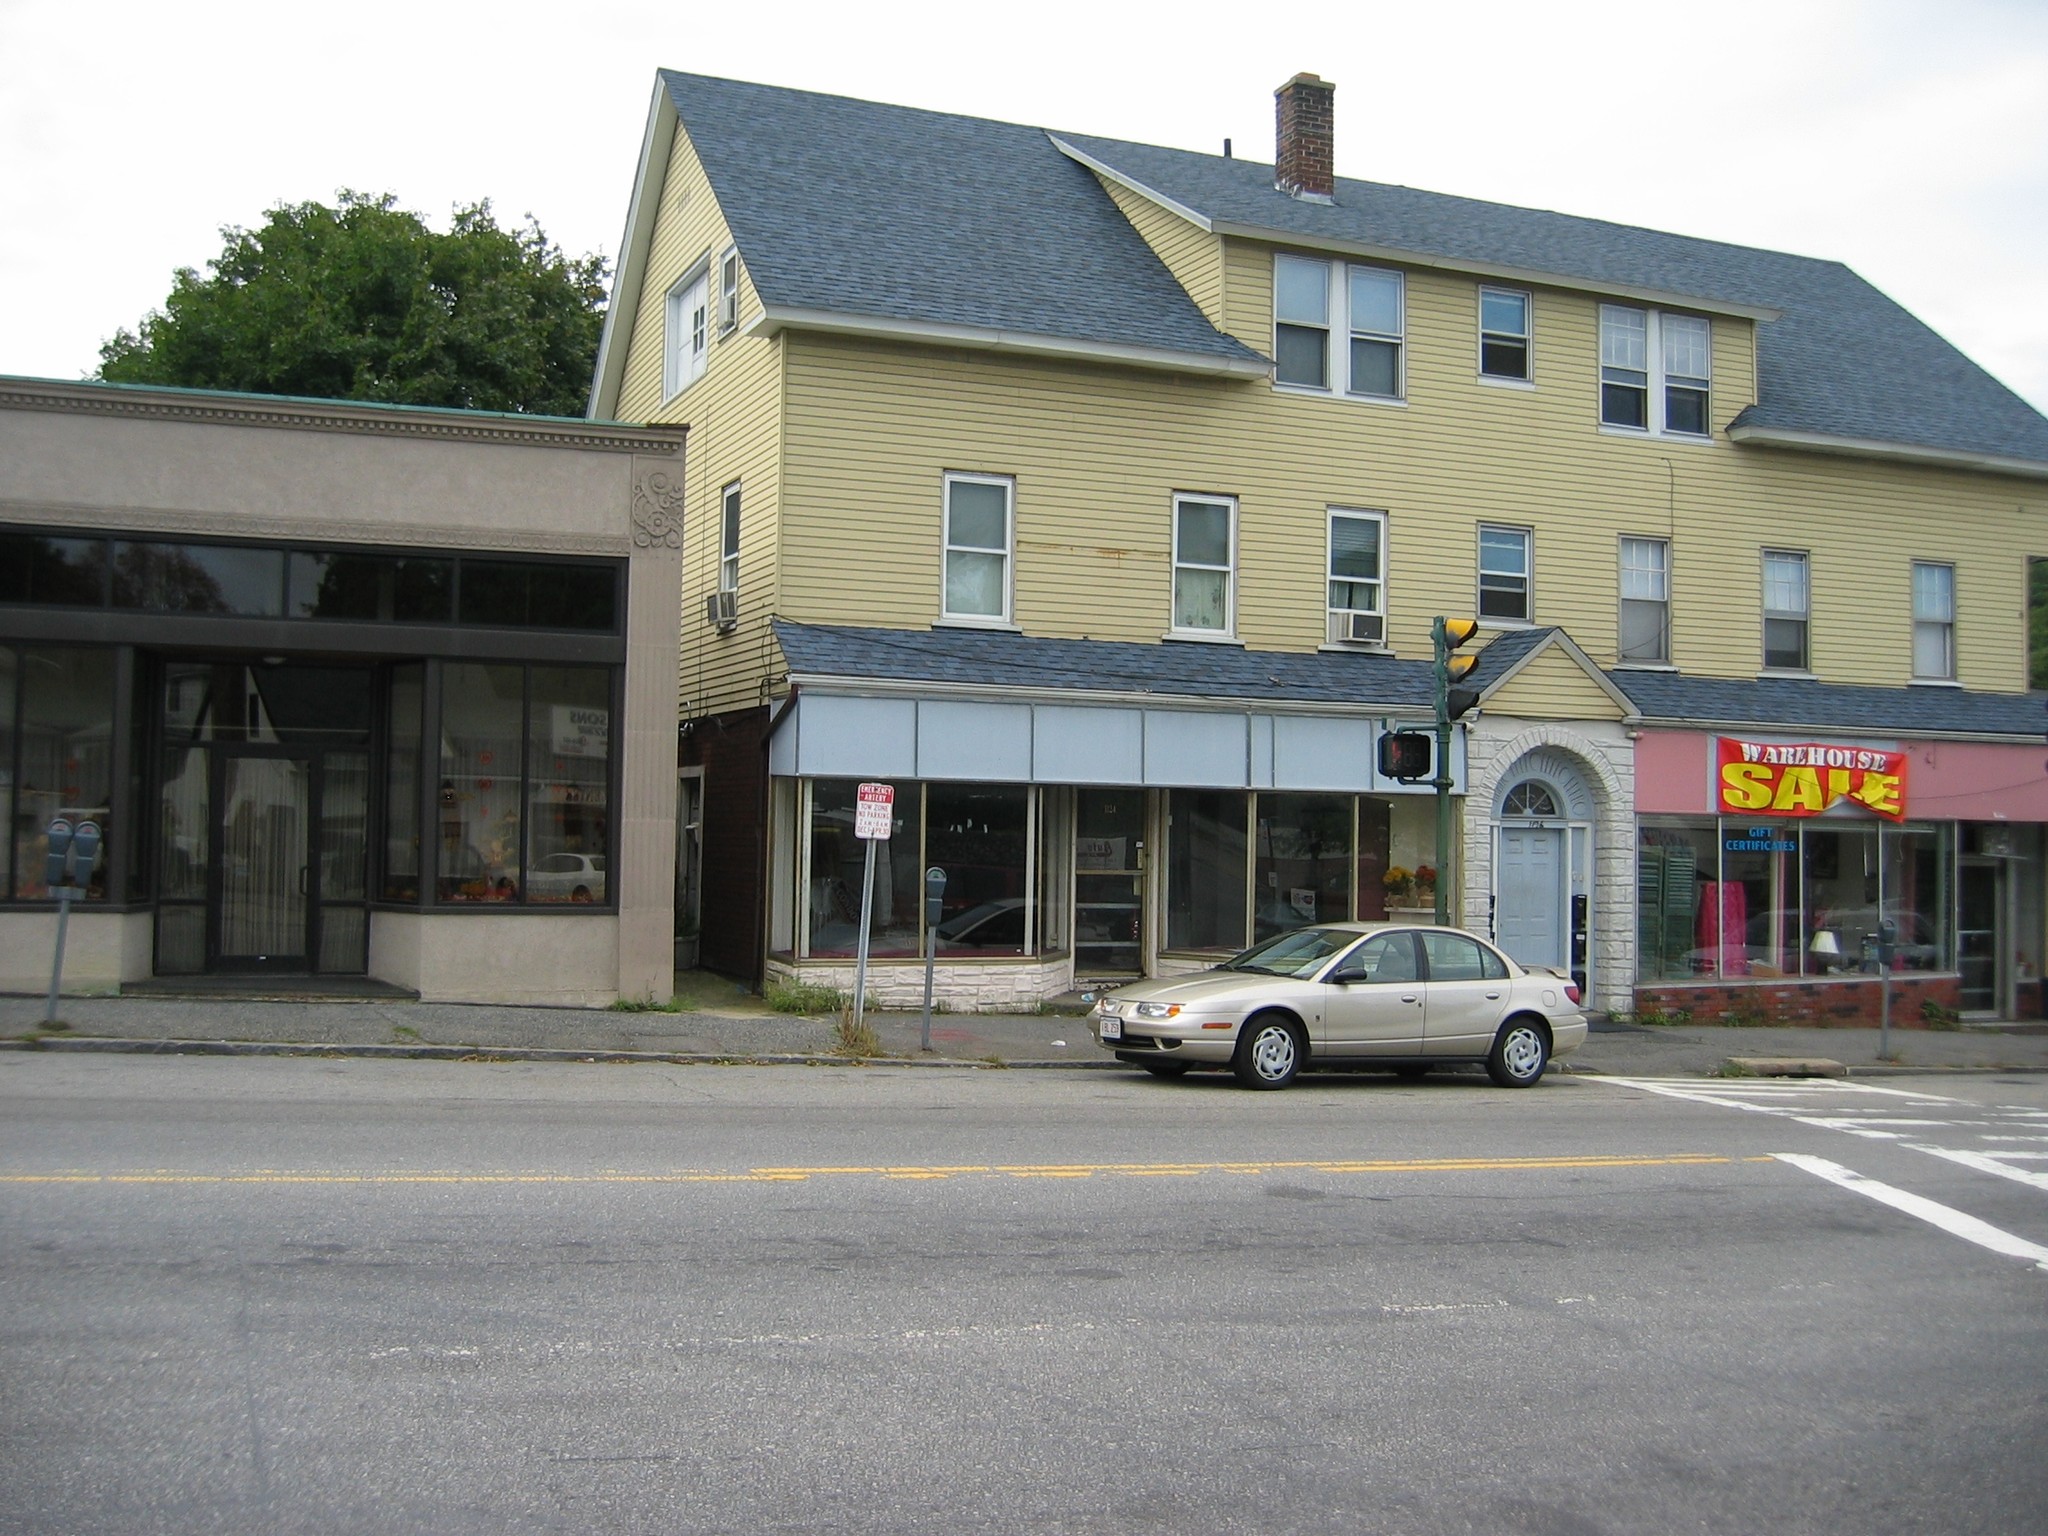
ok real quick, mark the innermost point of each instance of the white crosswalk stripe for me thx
(1993, 1137)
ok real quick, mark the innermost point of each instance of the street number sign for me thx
(874, 811)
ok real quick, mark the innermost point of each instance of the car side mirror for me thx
(1348, 976)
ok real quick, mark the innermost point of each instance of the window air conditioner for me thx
(722, 611)
(1362, 628)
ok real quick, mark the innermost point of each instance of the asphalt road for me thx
(302, 1295)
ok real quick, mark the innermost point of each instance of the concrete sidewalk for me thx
(728, 1024)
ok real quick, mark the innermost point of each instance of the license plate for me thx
(1112, 1028)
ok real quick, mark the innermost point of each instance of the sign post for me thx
(874, 814)
(73, 850)
(934, 898)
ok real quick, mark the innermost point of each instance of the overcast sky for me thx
(1907, 139)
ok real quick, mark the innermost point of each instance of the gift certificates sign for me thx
(1806, 778)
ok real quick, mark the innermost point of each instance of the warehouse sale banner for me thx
(1805, 778)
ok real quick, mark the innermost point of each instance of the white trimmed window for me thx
(728, 290)
(1787, 615)
(1505, 585)
(729, 539)
(1934, 621)
(689, 331)
(979, 525)
(1358, 581)
(1645, 601)
(1655, 370)
(1504, 334)
(1316, 301)
(1204, 565)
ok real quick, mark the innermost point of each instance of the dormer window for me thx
(1654, 370)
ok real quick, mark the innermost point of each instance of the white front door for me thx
(1530, 913)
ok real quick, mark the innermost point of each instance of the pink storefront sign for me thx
(1951, 780)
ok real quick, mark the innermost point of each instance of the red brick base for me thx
(1852, 1002)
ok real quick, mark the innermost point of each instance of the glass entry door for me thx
(264, 835)
(1980, 931)
(1109, 882)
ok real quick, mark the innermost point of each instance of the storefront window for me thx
(838, 862)
(482, 718)
(979, 835)
(60, 757)
(1205, 869)
(568, 766)
(402, 785)
(1302, 869)
(1742, 899)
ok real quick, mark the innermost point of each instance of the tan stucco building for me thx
(353, 689)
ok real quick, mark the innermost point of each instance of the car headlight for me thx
(1156, 1010)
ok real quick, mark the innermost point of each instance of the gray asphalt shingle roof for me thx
(861, 209)
(1797, 703)
(1842, 360)
(1003, 659)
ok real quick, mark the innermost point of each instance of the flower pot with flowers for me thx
(1411, 893)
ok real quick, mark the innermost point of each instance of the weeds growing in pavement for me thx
(855, 1038)
(1939, 1017)
(801, 997)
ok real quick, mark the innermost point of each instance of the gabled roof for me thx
(1840, 362)
(861, 216)
(1801, 704)
(981, 658)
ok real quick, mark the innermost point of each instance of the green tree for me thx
(363, 301)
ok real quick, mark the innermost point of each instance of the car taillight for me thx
(1571, 991)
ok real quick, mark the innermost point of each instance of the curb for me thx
(104, 1045)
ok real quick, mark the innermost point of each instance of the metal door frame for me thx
(307, 960)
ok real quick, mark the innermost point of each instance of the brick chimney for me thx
(1305, 159)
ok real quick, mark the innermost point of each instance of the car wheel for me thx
(1166, 1068)
(1520, 1053)
(1269, 1052)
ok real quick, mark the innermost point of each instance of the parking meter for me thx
(934, 893)
(57, 871)
(934, 904)
(85, 852)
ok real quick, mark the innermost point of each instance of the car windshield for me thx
(1295, 953)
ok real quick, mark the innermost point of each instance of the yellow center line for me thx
(794, 1175)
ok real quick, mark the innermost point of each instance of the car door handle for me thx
(1493, 997)
(1410, 997)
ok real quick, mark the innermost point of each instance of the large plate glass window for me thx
(1504, 576)
(58, 755)
(1503, 333)
(1301, 321)
(1645, 600)
(1358, 592)
(1302, 862)
(1205, 869)
(1934, 621)
(838, 860)
(1785, 611)
(1204, 551)
(980, 835)
(977, 554)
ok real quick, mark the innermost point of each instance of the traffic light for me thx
(1449, 634)
(1406, 755)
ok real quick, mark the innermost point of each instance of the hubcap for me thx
(1273, 1052)
(1523, 1052)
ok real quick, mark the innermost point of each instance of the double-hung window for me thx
(1365, 307)
(1358, 583)
(1934, 621)
(689, 331)
(729, 539)
(979, 527)
(1786, 611)
(1504, 574)
(728, 290)
(1204, 565)
(1645, 601)
(1503, 334)
(2037, 624)
(1655, 370)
